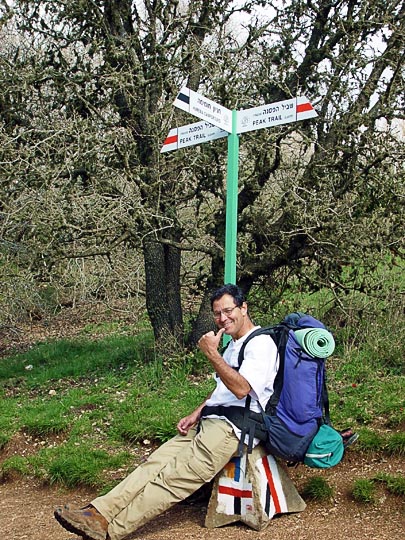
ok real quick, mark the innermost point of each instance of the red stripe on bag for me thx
(243, 493)
(270, 482)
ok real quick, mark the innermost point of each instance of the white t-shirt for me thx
(259, 368)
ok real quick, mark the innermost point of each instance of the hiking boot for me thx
(350, 440)
(86, 522)
(349, 437)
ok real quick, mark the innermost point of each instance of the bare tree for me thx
(324, 198)
(87, 110)
(109, 71)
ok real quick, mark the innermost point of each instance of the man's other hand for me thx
(188, 422)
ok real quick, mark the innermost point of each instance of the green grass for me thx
(364, 393)
(370, 441)
(14, 466)
(76, 358)
(156, 411)
(3, 440)
(79, 465)
(86, 406)
(394, 484)
(396, 444)
(69, 465)
(83, 403)
(363, 490)
(318, 489)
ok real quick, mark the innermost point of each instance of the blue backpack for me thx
(299, 405)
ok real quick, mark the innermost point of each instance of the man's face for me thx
(229, 316)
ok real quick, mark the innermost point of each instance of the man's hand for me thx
(209, 342)
(237, 384)
(187, 422)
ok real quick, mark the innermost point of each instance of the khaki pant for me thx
(172, 473)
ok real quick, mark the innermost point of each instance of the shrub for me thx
(14, 466)
(396, 444)
(370, 441)
(394, 484)
(363, 490)
(3, 440)
(77, 465)
(317, 488)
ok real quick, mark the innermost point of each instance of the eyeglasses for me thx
(226, 312)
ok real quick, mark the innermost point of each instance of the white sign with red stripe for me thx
(204, 108)
(275, 114)
(217, 119)
(191, 134)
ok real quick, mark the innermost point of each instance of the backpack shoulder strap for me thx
(279, 333)
(282, 332)
(257, 332)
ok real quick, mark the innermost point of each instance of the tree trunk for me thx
(172, 272)
(204, 322)
(162, 272)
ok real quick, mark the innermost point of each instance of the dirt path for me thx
(26, 511)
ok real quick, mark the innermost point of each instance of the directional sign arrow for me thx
(190, 135)
(219, 121)
(275, 114)
(204, 108)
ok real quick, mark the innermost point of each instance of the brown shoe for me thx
(86, 522)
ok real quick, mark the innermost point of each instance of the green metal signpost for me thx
(231, 224)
